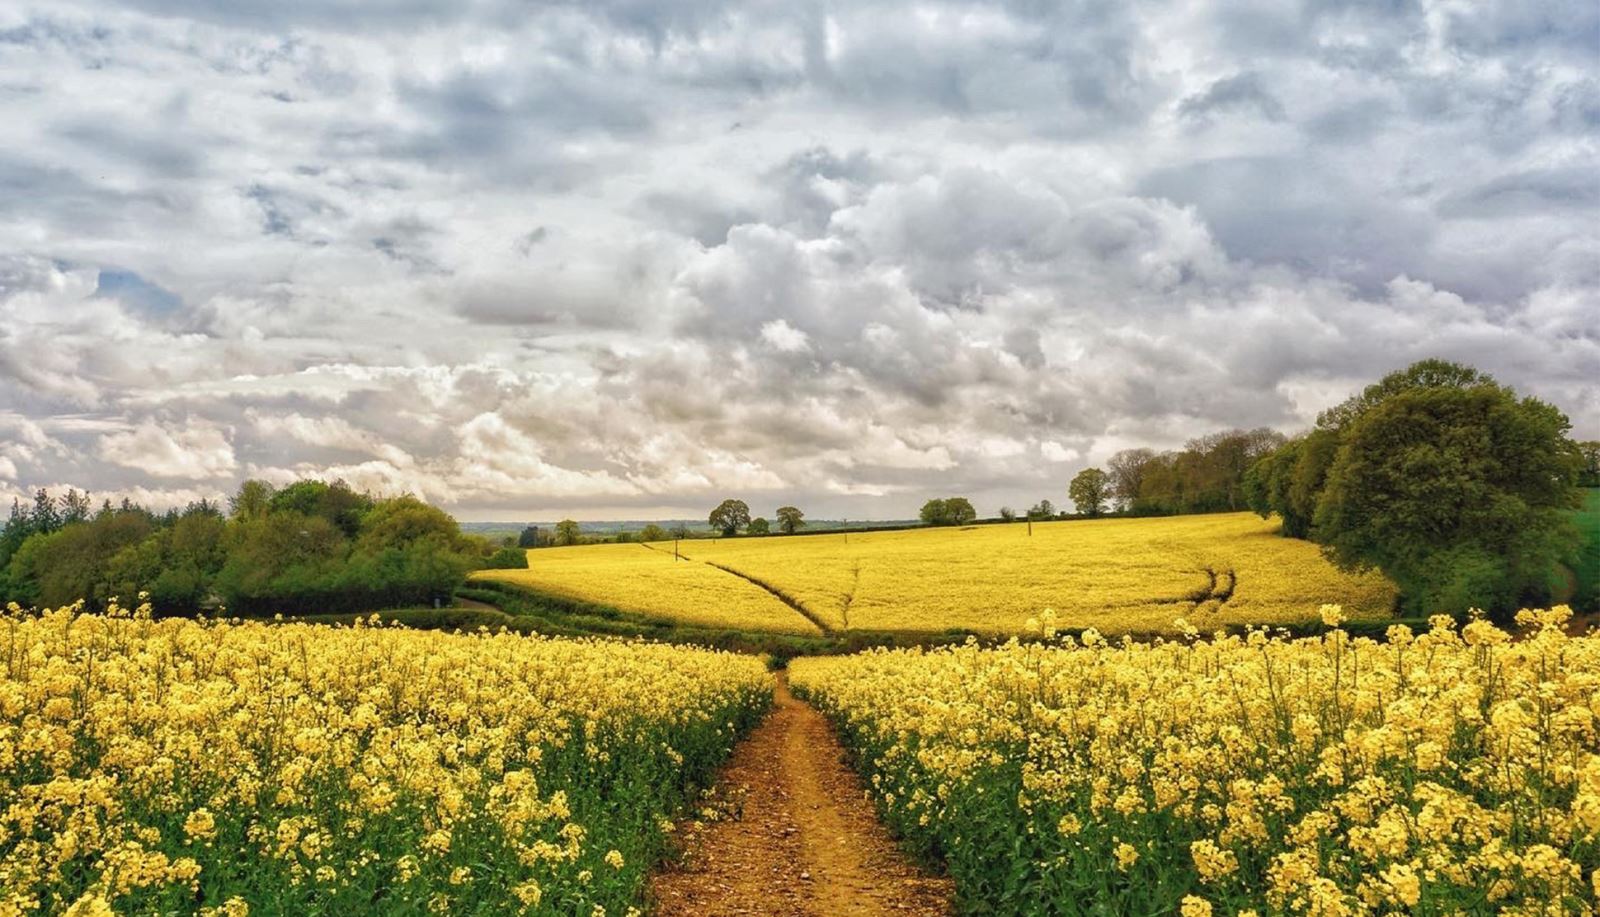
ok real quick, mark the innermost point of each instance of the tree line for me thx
(1205, 476)
(730, 517)
(311, 546)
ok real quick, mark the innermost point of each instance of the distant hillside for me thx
(1118, 575)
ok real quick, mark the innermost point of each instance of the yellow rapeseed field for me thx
(178, 766)
(1455, 771)
(1118, 575)
(648, 581)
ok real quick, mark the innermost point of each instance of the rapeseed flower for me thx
(141, 759)
(1327, 776)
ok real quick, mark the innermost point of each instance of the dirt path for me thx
(800, 839)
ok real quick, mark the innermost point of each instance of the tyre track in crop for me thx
(1219, 588)
(780, 595)
(804, 842)
(794, 603)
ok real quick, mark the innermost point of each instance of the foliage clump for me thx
(1457, 489)
(310, 547)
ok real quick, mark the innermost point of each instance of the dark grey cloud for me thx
(628, 257)
(1297, 212)
(151, 150)
(1573, 189)
(1498, 27)
(1240, 92)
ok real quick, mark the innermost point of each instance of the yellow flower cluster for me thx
(230, 768)
(1118, 575)
(1455, 771)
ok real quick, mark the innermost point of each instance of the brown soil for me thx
(799, 838)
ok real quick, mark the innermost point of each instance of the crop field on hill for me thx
(1117, 575)
(1445, 772)
(635, 578)
(177, 766)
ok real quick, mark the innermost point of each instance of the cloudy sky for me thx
(622, 258)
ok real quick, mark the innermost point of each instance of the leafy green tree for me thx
(293, 557)
(1089, 490)
(1424, 374)
(284, 562)
(759, 526)
(653, 532)
(1042, 510)
(1288, 481)
(404, 520)
(335, 502)
(22, 571)
(1007, 514)
(75, 507)
(507, 559)
(729, 517)
(407, 553)
(1161, 488)
(567, 532)
(529, 537)
(45, 517)
(176, 565)
(1127, 470)
(1207, 475)
(19, 525)
(74, 561)
(252, 501)
(1454, 488)
(194, 555)
(948, 511)
(789, 519)
(1590, 475)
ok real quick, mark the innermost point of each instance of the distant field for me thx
(637, 578)
(1117, 575)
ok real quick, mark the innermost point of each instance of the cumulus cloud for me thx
(631, 258)
(194, 453)
(782, 336)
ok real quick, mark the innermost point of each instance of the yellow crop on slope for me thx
(1452, 772)
(175, 766)
(649, 581)
(1116, 574)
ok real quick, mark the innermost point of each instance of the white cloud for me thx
(498, 460)
(784, 337)
(1055, 452)
(196, 452)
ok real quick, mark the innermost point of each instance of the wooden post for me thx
(1030, 526)
(674, 549)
